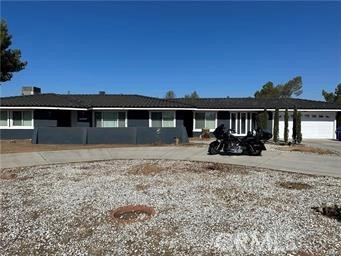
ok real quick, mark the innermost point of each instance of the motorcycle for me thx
(226, 142)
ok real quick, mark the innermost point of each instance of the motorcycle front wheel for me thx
(213, 148)
(255, 152)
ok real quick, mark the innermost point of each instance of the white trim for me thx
(194, 120)
(334, 126)
(150, 119)
(57, 108)
(174, 109)
(215, 109)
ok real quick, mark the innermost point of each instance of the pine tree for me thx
(286, 126)
(10, 58)
(276, 125)
(170, 95)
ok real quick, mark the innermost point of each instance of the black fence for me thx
(89, 135)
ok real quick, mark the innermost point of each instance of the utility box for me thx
(30, 90)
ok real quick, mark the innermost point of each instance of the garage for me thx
(315, 125)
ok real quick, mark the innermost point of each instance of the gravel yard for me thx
(200, 208)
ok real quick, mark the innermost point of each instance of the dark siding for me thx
(180, 116)
(15, 134)
(138, 118)
(224, 118)
(45, 118)
(185, 118)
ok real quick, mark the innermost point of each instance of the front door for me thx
(63, 118)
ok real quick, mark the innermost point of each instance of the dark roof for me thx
(89, 100)
(253, 103)
(139, 101)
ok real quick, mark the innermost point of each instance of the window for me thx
(4, 118)
(205, 120)
(320, 116)
(162, 119)
(306, 115)
(22, 118)
(110, 119)
(313, 116)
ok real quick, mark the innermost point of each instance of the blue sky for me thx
(218, 49)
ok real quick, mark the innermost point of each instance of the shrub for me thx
(276, 125)
(298, 131)
(262, 119)
(294, 126)
(286, 126)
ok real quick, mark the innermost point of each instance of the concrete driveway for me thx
(329, 165)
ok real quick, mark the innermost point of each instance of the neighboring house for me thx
(21, 114)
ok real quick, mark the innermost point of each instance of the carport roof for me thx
(138, 101)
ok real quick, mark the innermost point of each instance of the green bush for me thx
(298, 131)
(262, 119)
(276, 125)
(294, 126)
(286, 126)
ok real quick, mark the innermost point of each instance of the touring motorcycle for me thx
(226, 142)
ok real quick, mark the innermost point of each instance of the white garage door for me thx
(318, 125)
(315, 125)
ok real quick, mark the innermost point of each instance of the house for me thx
(20, 115)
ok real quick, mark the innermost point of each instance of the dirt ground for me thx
(195, 209)
(21, 146)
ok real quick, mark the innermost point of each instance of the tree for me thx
(286, 125)
(291, 88)
(299, 131)
(170, 95)
(333, 97)
(193, 95)
(276, 125)
(10, 58)
(262, 120)
(268, 91)
(294, 126)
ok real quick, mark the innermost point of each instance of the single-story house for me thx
(20, 115)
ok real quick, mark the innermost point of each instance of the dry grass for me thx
(22, 146)
(294, 185)
(308, 149)
(146, 169)
(241, 170)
